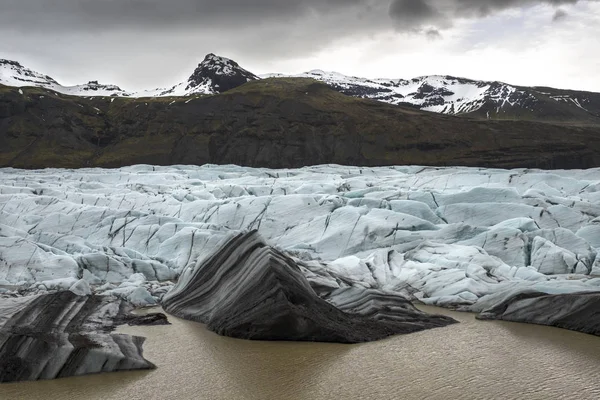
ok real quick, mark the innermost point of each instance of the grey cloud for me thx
(293, 18)
(101, 15)
(265, 28)
(144, 36)
(410, 11)
(154, 37)
(433, 34)
(420, 14)
(105, 14)
(487, 7)
(559, 15)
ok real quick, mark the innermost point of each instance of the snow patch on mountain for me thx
(569, 99)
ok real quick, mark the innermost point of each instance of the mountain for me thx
(280, 123)
(14, 74)
(439, 94)
(213, 75)
(460, 96)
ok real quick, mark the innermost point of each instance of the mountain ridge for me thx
(442, 94)
(451, 95)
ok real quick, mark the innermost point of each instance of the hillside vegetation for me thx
(284, 122)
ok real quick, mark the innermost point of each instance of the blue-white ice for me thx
(447, 236)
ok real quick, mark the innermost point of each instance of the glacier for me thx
(465, 238)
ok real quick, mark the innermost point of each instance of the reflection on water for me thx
(471, 360)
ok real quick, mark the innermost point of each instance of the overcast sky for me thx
(140, 44)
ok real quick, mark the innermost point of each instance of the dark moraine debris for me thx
(575, 311)
(62, 334)
(250, 290)
(146, 320)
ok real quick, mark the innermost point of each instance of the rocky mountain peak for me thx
(95, 86)
(10, 62)
(12, 73)
(217, 74)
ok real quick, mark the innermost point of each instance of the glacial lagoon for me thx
(471, 360)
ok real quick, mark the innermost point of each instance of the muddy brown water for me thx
(470, 360)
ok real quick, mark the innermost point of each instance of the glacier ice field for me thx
(464, 238)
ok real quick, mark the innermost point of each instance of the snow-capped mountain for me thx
(435, 93)
(455, 96)
(13, 73)
(213, 75)
(442, 94)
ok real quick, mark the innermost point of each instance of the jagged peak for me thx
(216, 74)
(102, 85)
(14, 73)
(213, 58)
(95, 86)
(220, 66)
(10, 62)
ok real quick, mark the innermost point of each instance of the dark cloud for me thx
(146, 36)
(487, 7)
(433, 34)
(411, 13)
(106, 14)
(265, 28)
(420, 14)
(559, 15)
(102, 15)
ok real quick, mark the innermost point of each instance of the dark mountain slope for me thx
(284, 122)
